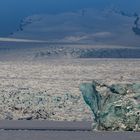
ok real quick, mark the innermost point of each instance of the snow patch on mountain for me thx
(84, 26)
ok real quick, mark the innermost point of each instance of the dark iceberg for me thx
(115, 107)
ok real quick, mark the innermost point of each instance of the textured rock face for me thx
(115, 107)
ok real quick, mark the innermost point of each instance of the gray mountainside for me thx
(111, 29)
(109, 26)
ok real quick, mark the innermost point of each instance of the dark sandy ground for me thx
(44, 130)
